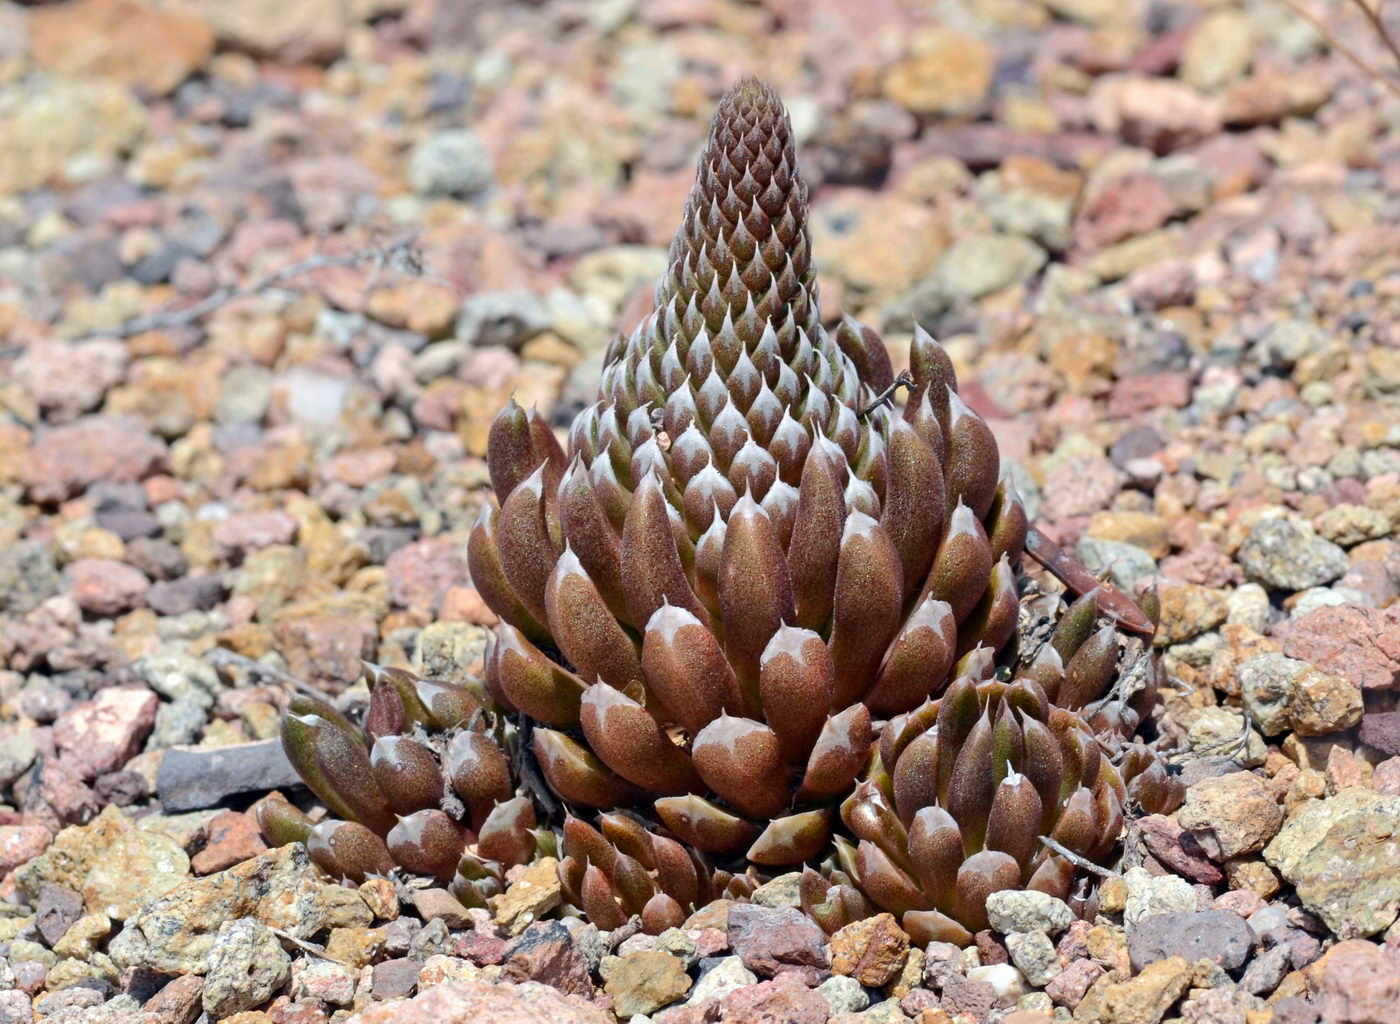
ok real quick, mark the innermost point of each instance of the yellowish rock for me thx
(535, 893)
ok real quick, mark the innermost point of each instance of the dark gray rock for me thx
(1221, 936)
(192, 778)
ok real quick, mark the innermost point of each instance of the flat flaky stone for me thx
(535, 893)
(1342, 855)
(175, 933)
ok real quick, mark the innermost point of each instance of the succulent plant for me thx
(745, 558)
(423, 786)
(730, 614)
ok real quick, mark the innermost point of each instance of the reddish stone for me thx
(106, 587)
(546, 953)
(100, 735)
(784, 1000)
(420, 573)
(239, 534)
(1357, 982)
(1133, 395)
(1359, 644)
(480, 949)
(773, 939)
(1069, 987)
(178, 1002)
(1122, 208)
(233, 838)
(284, 1011)
(1177, 849)
(66, 461)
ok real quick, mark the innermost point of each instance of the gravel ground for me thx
(268, 269)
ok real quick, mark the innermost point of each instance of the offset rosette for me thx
(964, 788)
(424, 786)
(623, 868)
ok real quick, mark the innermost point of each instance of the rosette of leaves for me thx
(965, 791)
(425, 785)
(747, 556)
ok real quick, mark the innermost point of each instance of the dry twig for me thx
(400, 257)
(1375, 19)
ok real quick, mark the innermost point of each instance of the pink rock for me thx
(421, 573)
(481, 1002)
(770, 940)
(1177, 849)
(104, 586)
(786, 998)
(66, 461)
(1130, 205)
(1069, 987)
(1158, 285)
(1157, 113)
(101, 735)
(545, 952)
(56, 796)
(1133, 395)
(239, 534)
(20, 844)
(233, 838)
(1358, 982)
(1359, 644)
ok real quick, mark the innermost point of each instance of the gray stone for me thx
(175, 674)
(1221, 936)
(843, 994)
(28, 577)
(1125, 563)
(177, 724)
(982, 264)
(246, 966)
(450, 163)
(192, 778)
(1149, 895)
(1284, 554)
(502, 318)
(1013, 910)
(726, 976)
(1034, 955)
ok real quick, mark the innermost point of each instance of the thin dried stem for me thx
(1373, 17)
(401, 257)
(1076, 860)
